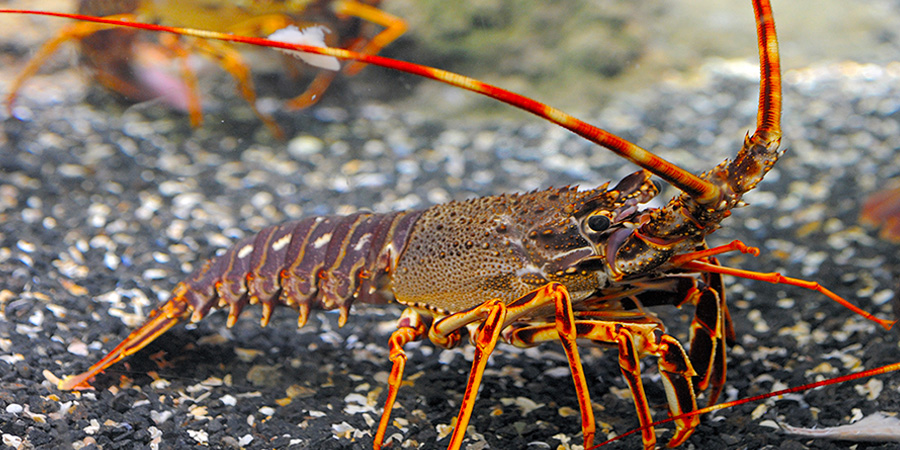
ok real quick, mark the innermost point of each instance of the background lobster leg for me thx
(882, 210)
(73, 32)
(116, 80)
(232, 61)
(188, 98)
(116, 69)
(313, 93)
(394, 27)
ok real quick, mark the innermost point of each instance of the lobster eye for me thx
(598, 223)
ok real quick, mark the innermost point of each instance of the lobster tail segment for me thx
(161, 319)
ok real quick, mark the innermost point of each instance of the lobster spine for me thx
(322, 262)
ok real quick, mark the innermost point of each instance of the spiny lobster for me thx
(122, 62)
(552, 264)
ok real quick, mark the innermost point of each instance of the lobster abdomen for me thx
(324, 262)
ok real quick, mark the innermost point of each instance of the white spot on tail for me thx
(312, 36)
(322, 241)
(244, 251)
(363, 241)
(281, 243)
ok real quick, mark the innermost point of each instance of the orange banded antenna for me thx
(768, 118)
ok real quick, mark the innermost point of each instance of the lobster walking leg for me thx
(485, 340)
(710, 329)
(714, 281)
(445, 331)
(634, 340)
(409, 328)
(630, 366)
(492, 315)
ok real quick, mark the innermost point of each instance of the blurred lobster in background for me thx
(124, 61)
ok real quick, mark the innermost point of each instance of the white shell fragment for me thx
(314, 36)
(876, 427)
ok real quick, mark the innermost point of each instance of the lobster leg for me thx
(485, 341)
(714, 281)
(394, 27)
(232, 61)
(228, 58)
(314, 92)
(493, 315)
(77, 31)
(191, 90)
(708, 343)
(634, 340)
(266, 25)
(710, 329)
(409, 328)
(445, 331)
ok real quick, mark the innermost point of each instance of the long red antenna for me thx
(701, 190)
(853, 376)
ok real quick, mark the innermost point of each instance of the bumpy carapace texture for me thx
(508, 245)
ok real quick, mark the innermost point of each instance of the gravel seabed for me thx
(105, 207)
